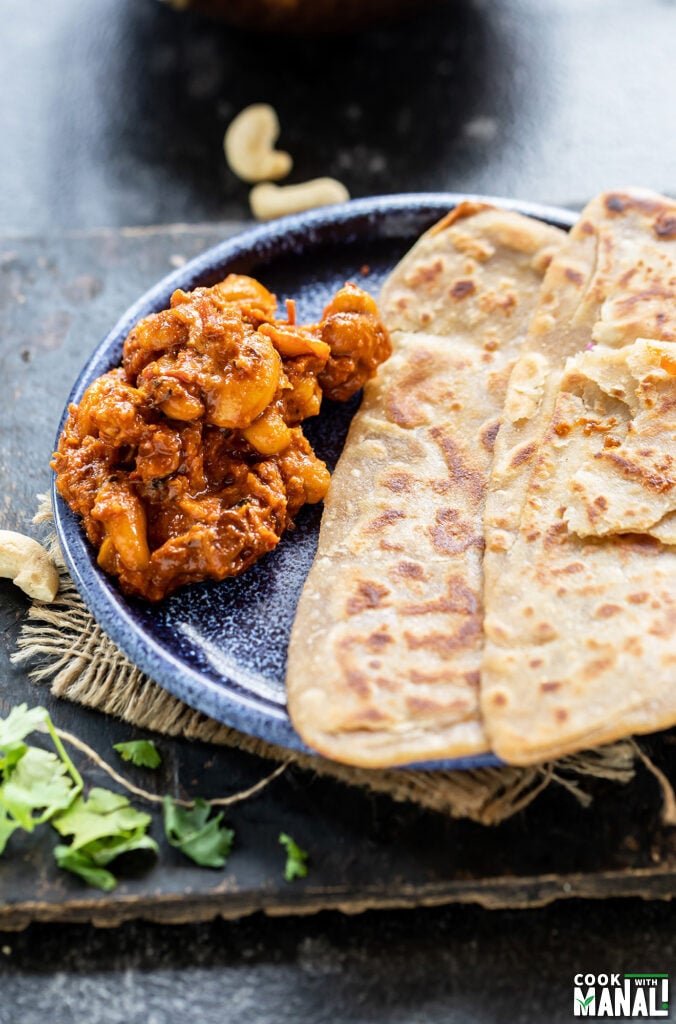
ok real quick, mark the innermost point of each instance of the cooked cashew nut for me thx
(27, 564)
(249, 145)
(268, 201)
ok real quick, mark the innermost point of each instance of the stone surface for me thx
(113, 111)
(454, 966)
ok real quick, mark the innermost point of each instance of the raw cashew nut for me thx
(268, 201)
(27, 564)
(249, 145)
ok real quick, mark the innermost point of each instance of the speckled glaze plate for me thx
(221, 647)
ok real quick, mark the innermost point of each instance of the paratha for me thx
(580, 564)
(386, 647)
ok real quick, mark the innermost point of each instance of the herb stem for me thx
(63, 754)
(153, 798)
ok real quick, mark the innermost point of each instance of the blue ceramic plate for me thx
(221, 647)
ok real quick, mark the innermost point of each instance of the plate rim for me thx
(104, 601)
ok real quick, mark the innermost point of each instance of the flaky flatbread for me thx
(386, 647)
(580, 567)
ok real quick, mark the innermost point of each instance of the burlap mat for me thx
(70, 652)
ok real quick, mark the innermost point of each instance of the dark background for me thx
(113, 111)
(112, 114)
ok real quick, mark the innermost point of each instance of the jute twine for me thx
(68, 651)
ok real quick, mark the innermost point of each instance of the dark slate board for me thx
(57, 297)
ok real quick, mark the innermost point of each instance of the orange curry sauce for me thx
(188, 462)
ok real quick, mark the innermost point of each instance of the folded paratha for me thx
(580, 564)
(386, 647)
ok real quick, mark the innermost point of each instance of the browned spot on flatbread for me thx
(606, 611)
(369, 595)
(386, 545)
(665, 225)
(574, 276)
(656, 291)
(462, 210)
(399, 482)
(491, 301)
(488, 435)
(587, 228)
(409, 571)
(551, 686)
(451, 534)
(356, 681)
(555, 535)
(637, 544)
(522, 455)
(379, 640)
(458, 600)
(560, 714)
(372, 716)
(424, 706)
(597, 667)
(462, 473)
(403, 400)
(638, 598)
(618, 202)
(461, 289)
(423, 275)
(447, 644)
(569, 569)
(654, 481)
(499, 699)
(385, 519)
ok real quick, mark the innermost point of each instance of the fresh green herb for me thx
(80, 864)
(20, 722)
(35, 784)
(39, 781)
(38, 786)
(103, 826)
(296, 866)
(102, 816)
(194, 833)
(142, 753)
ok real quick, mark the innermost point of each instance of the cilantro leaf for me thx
(80, 864)
(102, 851)
(203, 840)
(13, 730)
(103, 827)
(296, 858)
(21, 721)
(38, 780)
(102, 815)
(142, 753)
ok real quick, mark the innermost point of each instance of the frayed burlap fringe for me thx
(80, 663)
